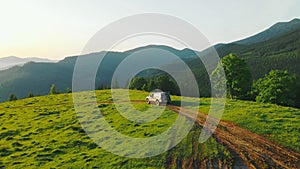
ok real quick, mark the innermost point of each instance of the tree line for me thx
(277, 86)
(52, 91)
(163, 82)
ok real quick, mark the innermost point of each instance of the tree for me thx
(102, 86)
(30, 94)
(167, 84)
(68, 90)
(238, 76)
(53, 90)
(151, 85)
(12, 97)
(115, 84)
(145, 87)
(137, 83)
(277, 87)
(297, 102)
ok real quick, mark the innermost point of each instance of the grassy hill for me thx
(44, 132)
(38, 135)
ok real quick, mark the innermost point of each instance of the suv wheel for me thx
(157, 103)
(147, 100)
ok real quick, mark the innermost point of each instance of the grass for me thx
(44, 132)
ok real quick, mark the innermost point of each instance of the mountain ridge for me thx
(276, 53)
(275, 30)
(10, 61)
(38, 77)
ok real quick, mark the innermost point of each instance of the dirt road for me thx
(254, 150)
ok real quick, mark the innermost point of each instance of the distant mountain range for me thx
(10, 61)
(38, 77)
(275, 48)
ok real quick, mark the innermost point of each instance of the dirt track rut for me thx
(255, 150)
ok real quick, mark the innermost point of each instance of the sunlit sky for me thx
(58, 28)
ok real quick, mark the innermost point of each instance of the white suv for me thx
(158, 98)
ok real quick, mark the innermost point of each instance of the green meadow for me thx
(45, 131)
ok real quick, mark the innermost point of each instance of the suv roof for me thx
(158, 92)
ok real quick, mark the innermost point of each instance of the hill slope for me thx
(44, 132)
(282, 52)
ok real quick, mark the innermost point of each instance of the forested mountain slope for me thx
(279, 52)
(38, 77)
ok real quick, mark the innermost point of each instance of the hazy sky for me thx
(59, 28)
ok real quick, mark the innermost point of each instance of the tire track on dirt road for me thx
(255, 150)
